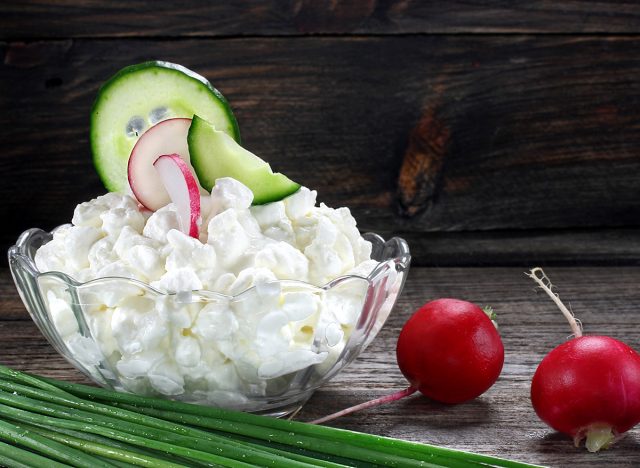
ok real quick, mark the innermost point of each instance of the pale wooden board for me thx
(501, 422)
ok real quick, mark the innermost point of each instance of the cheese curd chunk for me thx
(225, 348)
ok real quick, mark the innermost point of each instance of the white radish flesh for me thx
(182, 188)
(166, 137)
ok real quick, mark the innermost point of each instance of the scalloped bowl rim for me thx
(391, 254)
(404, 258)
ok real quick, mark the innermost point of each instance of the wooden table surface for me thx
(501, 422)
(494, 136)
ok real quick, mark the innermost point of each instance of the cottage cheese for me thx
(223, 348)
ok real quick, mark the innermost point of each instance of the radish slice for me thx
(182, 187)
(166, 137)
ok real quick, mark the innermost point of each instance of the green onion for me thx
(12, 463)
(87, 426)
(21, 436)
(14, 457)
(32, 380)
(116, 444)
(134, 423)
(332, 447)
(123, 436)
(233, 421)
(106, 452)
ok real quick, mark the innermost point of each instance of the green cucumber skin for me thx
(165, 66)
(266, 199)
(207, 182)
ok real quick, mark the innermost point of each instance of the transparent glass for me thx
(266, 378)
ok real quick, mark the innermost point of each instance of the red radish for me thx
(449, 350)
(166, 137)
(182, 187)
(588, 387)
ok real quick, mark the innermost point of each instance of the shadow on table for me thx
(554, 442)
(476, 412)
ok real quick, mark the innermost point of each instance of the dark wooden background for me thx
(488, 133)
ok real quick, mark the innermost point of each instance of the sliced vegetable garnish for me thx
(138, 97)
(168, 137)
(183, 190)
(215, 155)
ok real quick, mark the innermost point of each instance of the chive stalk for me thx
(231, 419)
(88, 426)
(105, 452)
(34, 418)
(12, 456)
(138, 425)
(366, 454)
(12, 463)
(120, 445)
(21, 436)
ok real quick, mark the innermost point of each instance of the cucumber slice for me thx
(138, 97)
(214, 155)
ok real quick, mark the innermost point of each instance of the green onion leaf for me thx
(61, 424)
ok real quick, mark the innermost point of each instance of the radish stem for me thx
(538, 275)
(368, 404)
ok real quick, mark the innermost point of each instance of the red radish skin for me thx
(182, 187)
(449, 350)
(608, 399)
(166, 137)
(589, 386)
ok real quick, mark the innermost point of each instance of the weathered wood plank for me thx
(136, 18)
(11, 308)
(534, 133)
(501, 422)
(586, 247)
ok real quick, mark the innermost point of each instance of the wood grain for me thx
(485, 133)
(501, 422)
(586, 247)
(543, 132)
(137, 18)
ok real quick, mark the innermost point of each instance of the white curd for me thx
(222, 349)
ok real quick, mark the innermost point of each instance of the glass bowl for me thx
(247, 370)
